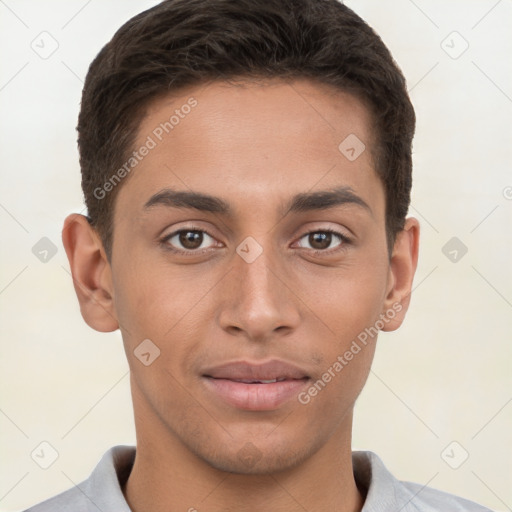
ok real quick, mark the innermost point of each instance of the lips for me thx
(266, 373)
(255, 387)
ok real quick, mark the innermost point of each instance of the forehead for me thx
(292, 110)
(254, 141)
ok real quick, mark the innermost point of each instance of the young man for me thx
(247, 171)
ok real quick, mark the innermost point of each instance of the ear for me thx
(92, 276)
(402, 268)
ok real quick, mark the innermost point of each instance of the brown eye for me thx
(188, 240)
(321, 240)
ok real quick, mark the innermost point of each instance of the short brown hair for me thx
(179, 43)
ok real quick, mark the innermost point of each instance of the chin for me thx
(250, 459)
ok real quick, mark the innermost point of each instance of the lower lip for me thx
(255, 397)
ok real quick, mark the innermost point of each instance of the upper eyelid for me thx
(165, 241)
(344, 233)
(177, 231)
(325, 230)
(344, 238)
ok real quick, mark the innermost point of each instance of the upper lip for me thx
(238, 370)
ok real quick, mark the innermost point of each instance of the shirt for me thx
(102, 491)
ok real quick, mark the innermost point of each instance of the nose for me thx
(258, 301)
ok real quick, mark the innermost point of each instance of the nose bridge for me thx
(255, 276)
(259, 302)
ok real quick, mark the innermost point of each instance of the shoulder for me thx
(101, 491)
(72, 499)
(385, 492)
(427, 499)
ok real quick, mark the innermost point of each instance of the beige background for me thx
(444, 376)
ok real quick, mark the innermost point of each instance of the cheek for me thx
(344, 375)
(347, 312)
(167, 306)
(346, 300)
(142, 292)
(346, 305)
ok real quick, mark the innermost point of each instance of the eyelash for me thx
(343, 239)
(189, 252)
(194, 252)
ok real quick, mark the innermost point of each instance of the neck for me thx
(169, 476)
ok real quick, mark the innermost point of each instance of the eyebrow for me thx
(185, 199)
(303, 202)
(325, 199)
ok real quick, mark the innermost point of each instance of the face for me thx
(246, 235)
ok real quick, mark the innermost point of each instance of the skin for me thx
(255, 145)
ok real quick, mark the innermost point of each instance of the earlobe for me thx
(91, 273)
(404, 260)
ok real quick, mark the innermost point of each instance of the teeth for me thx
(271, 381)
